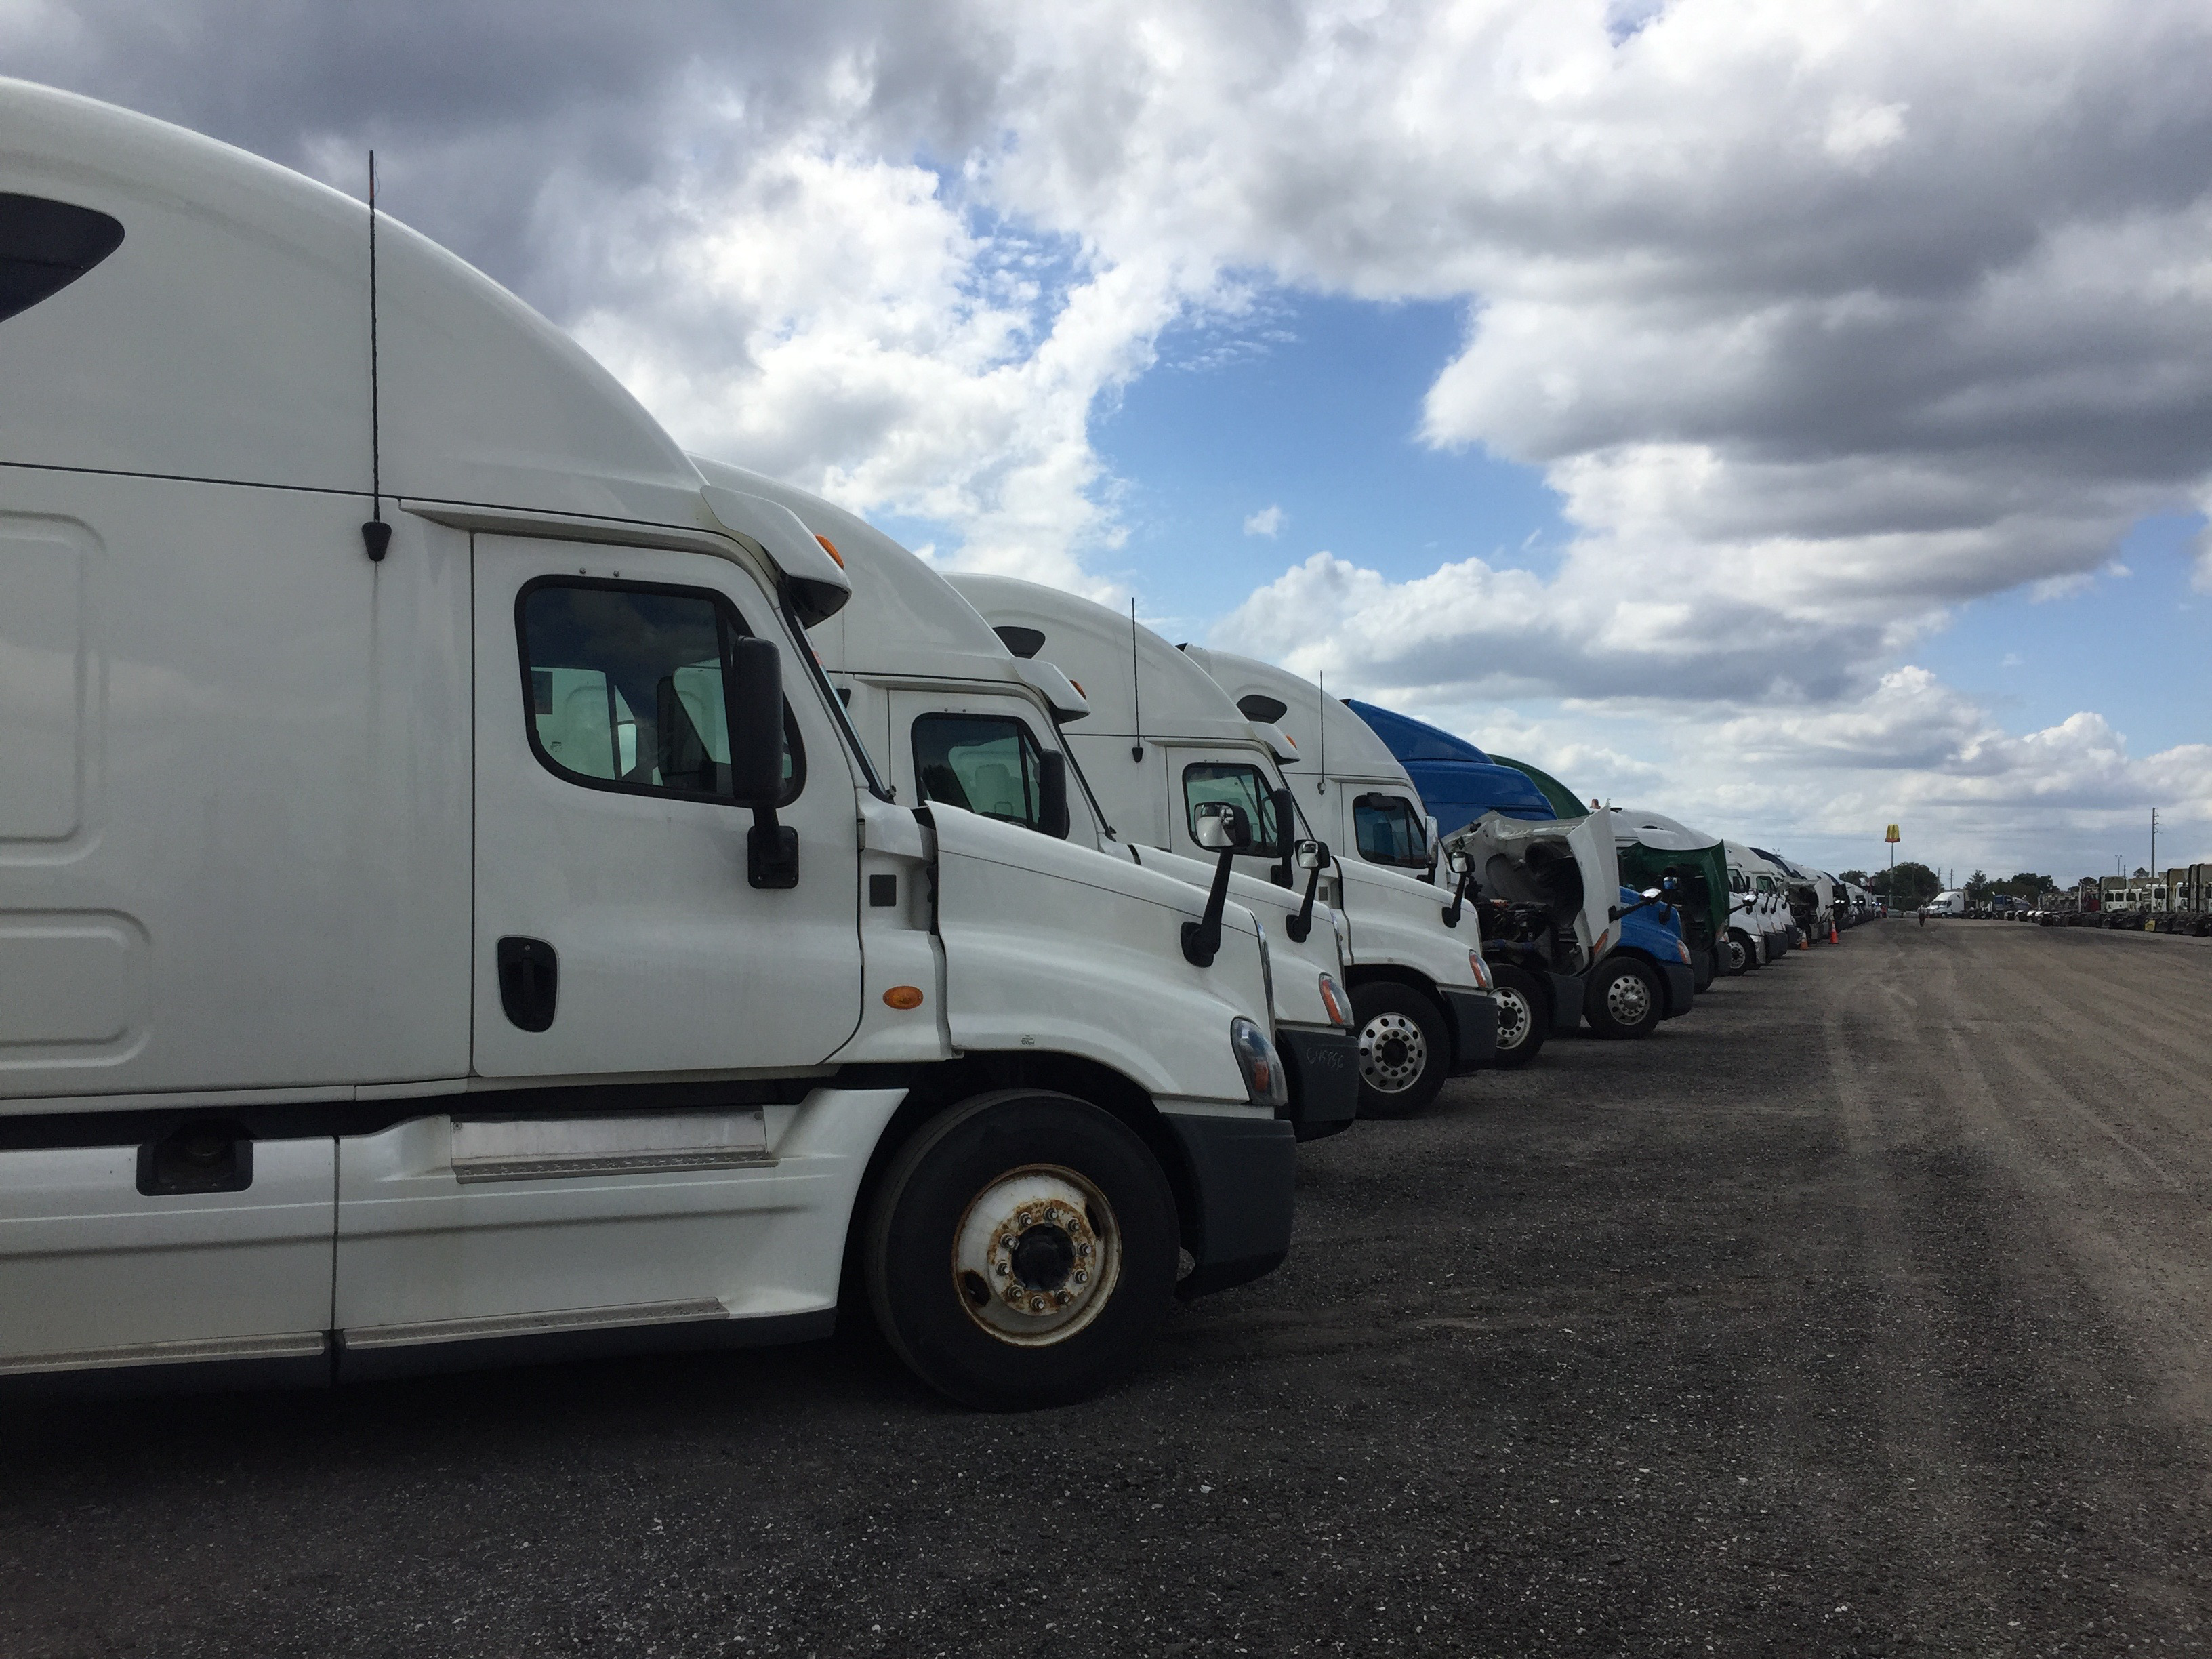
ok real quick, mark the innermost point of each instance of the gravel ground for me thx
(1862, 1311)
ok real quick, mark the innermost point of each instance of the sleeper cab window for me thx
(987, 764)
(45, 246)
(624, 689)
(1388, 831)
(1241, 786)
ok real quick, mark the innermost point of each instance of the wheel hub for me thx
(1514, 1019)
(1393, 1054)
(1628, 999)
(1036, 1256)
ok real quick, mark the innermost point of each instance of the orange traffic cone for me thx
(1832, 939)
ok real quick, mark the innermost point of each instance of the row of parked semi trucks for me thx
(478, 883)
(2178, 901)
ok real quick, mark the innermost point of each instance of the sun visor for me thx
(814, 582)
(1058, 690)
(1278, 741)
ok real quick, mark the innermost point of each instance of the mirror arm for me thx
(1459, 897)
(1201, 939)
(1299, 926)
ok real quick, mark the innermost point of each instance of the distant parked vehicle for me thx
(1951, 902)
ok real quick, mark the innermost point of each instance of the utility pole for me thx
(2153, 843)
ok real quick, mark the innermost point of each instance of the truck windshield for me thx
(1241, 786)
(986, 764)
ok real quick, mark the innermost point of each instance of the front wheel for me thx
(1403, 1052)
(1523, 1016)
(1021, 1251)
(1739, 960)
(1623, 999)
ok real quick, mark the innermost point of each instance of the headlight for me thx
(1338, 1004)
(1478, 968)
(1264, 1083)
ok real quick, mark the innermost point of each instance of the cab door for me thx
(618, 926)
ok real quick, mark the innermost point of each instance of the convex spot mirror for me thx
(1652, 893)
(1461, 862)
(756, 722)
(1221, 827)
(1310, 854)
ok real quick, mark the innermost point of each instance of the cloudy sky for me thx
(1797, 418)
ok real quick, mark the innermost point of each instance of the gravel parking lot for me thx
(1864, 1311)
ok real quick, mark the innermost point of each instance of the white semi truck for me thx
(446, 915)
(954, 716)
(1162, 738)
(1767, 916)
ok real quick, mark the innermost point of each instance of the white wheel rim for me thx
(1036, 1256)
(1393, 1054)
(1514, 1021)
(1628, 999)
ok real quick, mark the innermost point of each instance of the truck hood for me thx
(1068, 950)
(1298, 967)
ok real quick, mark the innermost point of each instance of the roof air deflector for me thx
(1265, 710)
(45, 246)
(1024, 643)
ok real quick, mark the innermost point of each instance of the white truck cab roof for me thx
(1328, 736)
(1154, 690)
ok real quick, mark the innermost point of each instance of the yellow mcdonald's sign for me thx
(1892, 835)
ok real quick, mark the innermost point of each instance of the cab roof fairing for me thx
(1090, 644)
(226, 340)
(1323, 728)
(912, 625)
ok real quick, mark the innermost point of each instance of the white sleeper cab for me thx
(1163, 739)
(446, 914)
(955, 716)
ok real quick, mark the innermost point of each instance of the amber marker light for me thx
(904, 996)
(830, 548)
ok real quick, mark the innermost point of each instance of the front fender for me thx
(1051, 948)
(1400, 920)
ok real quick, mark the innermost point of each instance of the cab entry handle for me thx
(529, 981)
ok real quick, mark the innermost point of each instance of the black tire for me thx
(1623, 998)
(1742, 954)
(1405, 1053)
(1524, 1016)
(927, 1205)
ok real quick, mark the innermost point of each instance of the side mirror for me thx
(1221, 827)
(1462, 862)
(1052, 792)
(756, 722)
(1313, 857)
(1652, 893)
(754, 691)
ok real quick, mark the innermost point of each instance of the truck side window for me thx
(1388, 831)
(1242, 786)
(986, 764)
(625, 687)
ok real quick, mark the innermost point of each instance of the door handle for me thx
(529, 981)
